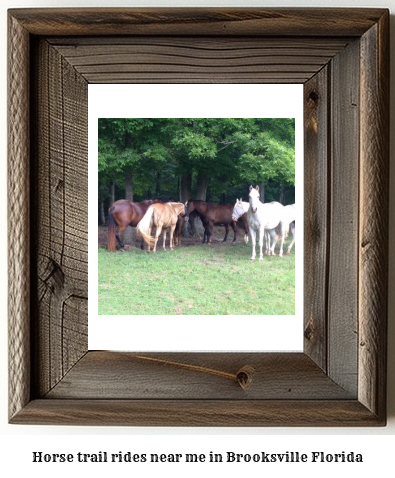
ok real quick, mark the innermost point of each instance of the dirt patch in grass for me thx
(217, 239)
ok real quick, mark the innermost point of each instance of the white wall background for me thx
(20, 441)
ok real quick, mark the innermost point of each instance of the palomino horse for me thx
(212, 215)
(264, 216)
(162, 216)
(124, 213)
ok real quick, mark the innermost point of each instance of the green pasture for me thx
(217, 279)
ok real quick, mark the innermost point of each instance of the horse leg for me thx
(280, 254)
(205, 234)
(284, 229)
(261, 236)
(117, 235)
(292, 227)
(172, 228)
(164, 240)
(274, 236)
(209, 232)
(157, 234)
(149, 244)
(233, 225)
(253, 239)
(267, 242)
(226, 232)
(290, 246)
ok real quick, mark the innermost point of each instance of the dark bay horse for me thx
(213, 214)
(124, 213)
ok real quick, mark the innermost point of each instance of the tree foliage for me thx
(221, 156)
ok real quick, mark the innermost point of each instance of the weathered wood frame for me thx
(342, 57)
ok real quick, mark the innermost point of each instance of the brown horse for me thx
(124, 213)
(161, 216)
(213, 214)
(178, 230)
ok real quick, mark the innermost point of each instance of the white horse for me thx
(241, 207)
(289, 218)
(265, 216)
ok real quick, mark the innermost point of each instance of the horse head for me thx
(254, 198)
(180, 208)
(238, 209)
(191, 205)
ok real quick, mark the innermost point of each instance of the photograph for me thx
(192, 178)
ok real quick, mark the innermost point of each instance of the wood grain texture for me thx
(18, 212)
(191, 59)
(201, 413)
(61, 199)
(199, 21)
(373, 233)
(345, 321)
(316, 212)
(196, 376)
(343, 242)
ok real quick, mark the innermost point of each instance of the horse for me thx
(178, 230)
(289, 218)
(213, 214)
(240, 210)
(124, 213)
(265, 216)
(241, 207)
(162, 216)
(292, 229)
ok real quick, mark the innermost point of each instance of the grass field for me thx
(218, 279)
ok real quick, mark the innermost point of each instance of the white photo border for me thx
(151, 333)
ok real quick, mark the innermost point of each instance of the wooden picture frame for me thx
(342, 58)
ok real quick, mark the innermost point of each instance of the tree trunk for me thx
(102, 215)
(201, 187)
(129, 186)
(185, 187)
(130, 234)
(112, 192)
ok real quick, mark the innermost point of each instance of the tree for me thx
(202, 158)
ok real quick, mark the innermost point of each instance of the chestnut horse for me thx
(162, 216)
(213, 214)
(124, 213)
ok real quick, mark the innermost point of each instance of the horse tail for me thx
(111, 232)
(143, 226)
